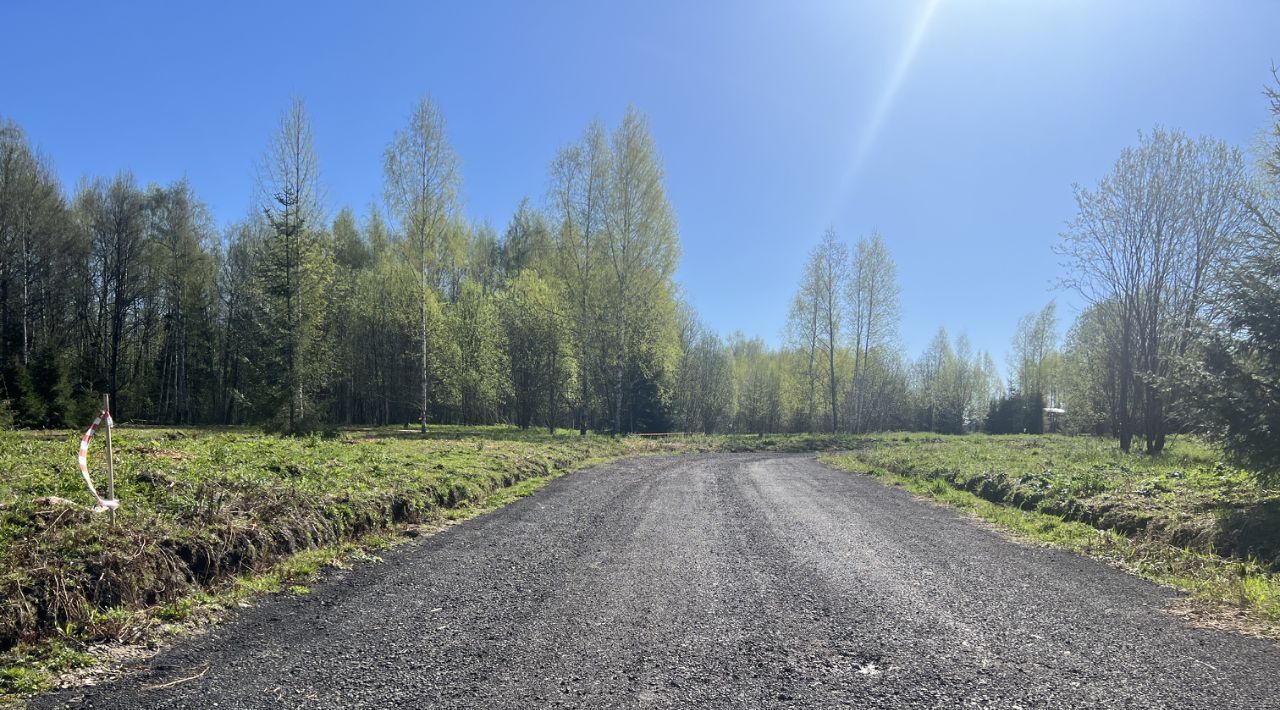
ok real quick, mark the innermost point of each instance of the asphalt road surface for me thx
(720, 581)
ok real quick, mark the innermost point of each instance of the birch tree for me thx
(538, 347)
(1033, 354)
(421, 190)
(640, 248)
(803, 336)
(758, 385)
(873, 317)
(33, 227)
(705, 377)
(183, 264)
(830, 274)
(579, 195)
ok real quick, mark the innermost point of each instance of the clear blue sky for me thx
(957, 138)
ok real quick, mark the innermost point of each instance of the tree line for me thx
(298, 319)
(1176, 256)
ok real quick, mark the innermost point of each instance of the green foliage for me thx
(1013, 413)
(539, 349)
(706, 379)
(1236, 388)
(475, 327)
(759, 386)
(951, 387)
(1090, 372)
(571, 315)
(33, 669)
(295, 265)
(1034, 358)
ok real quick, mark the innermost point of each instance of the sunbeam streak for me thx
(884, 104)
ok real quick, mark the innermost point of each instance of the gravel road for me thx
(718, 581)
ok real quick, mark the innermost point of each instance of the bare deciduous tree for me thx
(1153, 238)
(873, 317)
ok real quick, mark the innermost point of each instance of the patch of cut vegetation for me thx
(1183, 518)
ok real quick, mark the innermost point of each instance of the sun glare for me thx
(884, 103)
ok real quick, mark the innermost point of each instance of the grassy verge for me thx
(1081, 495)
(213, 517)
(66, 659)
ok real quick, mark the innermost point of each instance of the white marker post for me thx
(111, 471)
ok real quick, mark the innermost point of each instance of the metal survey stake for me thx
(82, 460)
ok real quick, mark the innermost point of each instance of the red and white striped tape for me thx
(83, 459)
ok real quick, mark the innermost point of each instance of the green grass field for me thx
(211, 517)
